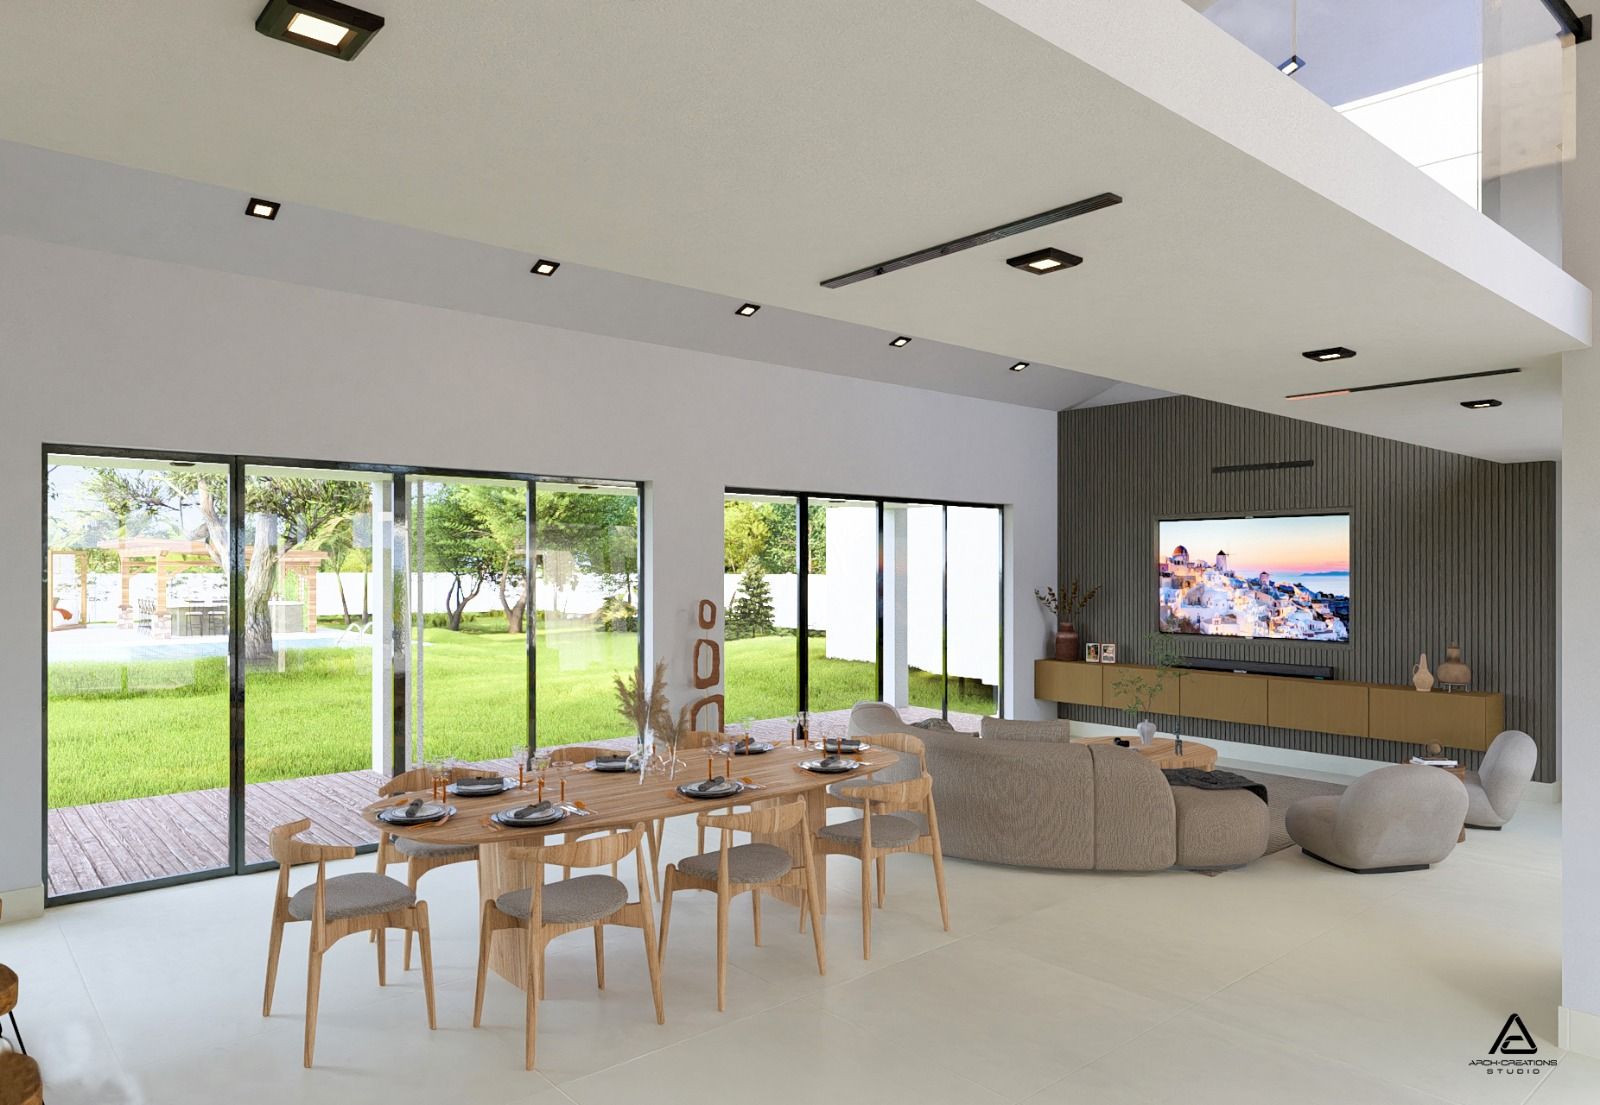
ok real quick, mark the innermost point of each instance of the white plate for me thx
(845, 767)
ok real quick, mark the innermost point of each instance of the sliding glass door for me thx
(842, 611)
(136, 644)
(761, 600)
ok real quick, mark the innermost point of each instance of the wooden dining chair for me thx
(576, 754)
(734, 869)
(420, 856)
(336, 907)
(543, 912)
(911, 761)
(888, 824)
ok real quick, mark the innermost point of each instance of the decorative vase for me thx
(1147, 732)
(1453, 672)
(1067, 647)
(1421, 677)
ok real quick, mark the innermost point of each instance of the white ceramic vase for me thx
(1147, 732)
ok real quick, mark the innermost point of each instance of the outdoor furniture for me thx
(733, 870)
(543, 912)
(337, 907)
(884, 829)
(1400, 818)
(1495, 790)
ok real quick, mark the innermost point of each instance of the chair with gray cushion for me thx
(1495, 790)
(1401, 818)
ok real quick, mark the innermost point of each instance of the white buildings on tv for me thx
(1206, 598)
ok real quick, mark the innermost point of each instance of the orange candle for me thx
(710, 759)
(541, 789)
(728, 771)
(563, 790)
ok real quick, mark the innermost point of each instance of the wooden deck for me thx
(141, 839)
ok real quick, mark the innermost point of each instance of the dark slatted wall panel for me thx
(1443, 547)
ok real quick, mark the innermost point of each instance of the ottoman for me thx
(1219, 828)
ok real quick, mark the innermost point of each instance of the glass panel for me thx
(973, 537)
(760, 596)
(469, 652)
(913, 608)
(136, 671)
(843, 609)
(587, 622)
(318, 681)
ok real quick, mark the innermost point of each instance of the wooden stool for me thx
(8, 1005)
(19, 1080)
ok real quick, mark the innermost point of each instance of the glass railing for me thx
(1475, 93)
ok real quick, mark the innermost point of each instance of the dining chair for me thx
(20, 1083)
(337, 907)
(887, 825)
(911, 761)
(420, 856)
(735, 869)
(543, 912)
(580, 754)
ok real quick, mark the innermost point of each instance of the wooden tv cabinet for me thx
(1466, 720)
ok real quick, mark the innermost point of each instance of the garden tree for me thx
(751, 613)
(601, 531)
(453, 541)
(746, 530)
(283, 512)
(502, 517)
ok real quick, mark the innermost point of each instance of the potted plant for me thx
(1141, 690)
(1066, 607)
(648, 711)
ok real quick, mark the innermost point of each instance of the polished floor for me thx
(1287, 981)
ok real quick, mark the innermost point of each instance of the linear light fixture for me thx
(982, 237)
(542, 267)
(262, 209)
(1332, 392)
(748, 309)
(1481, 404)
(1019, 366)
(1580, 27)
(901, 342)
(1336, 353)
(1041, 261)
(326, 26)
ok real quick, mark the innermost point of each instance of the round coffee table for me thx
(1163, 752)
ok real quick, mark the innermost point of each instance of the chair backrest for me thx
(420, 778)
(574, 753)
(701, 738)
(1507, 769)
(767, 819)
(909, 794)
(596, 851)
(289, 852)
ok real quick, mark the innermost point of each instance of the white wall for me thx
(99, 348)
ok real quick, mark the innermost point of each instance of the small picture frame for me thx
(1108, 654)
(1091, 653)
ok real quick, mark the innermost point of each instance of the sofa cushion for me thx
(1001, 729)
(1134, 819)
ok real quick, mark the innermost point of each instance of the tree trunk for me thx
(338, 577)
(216, 530)
(260, 579)
(456, 599)
(514, 614)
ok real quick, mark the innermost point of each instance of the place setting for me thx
(830, 764)
(417, 811)
(741, 742)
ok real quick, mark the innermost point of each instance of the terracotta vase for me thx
(1453, 672)
(1421, 677)
(1067, 647)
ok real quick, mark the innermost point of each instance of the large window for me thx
(362, 618)
(899, 601)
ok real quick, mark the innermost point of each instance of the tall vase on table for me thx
(1067, 642)
(1066, 606)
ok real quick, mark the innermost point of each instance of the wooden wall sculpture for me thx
(707, 669)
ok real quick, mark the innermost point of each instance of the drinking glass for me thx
(519, 760)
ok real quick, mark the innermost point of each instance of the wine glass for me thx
(519, 760)
(749, 728)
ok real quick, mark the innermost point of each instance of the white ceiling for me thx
(752, 150)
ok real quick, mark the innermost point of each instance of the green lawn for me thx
(160, 727)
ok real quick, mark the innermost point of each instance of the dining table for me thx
(602, 800)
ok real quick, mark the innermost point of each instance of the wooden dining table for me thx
(620, 800)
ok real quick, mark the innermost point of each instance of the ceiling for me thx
(750, 151)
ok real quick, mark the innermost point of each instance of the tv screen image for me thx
(1282, 576)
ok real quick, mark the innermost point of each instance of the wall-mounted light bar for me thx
(983, 237)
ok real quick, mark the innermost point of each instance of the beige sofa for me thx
(1022, 794)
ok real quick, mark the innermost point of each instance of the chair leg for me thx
(652, 959)
(883, 879)
(485, 935)
(722, 949)
(866, 907)
(667, 888)
(413, 876)
(274, 946)
(810, 906)
(17, 1032)
(755, 913)
(383, 947)
(600, 956)
(538, 967)
(653, 839)
(313, 994)
(531, 1021)
(425, 938)
(938, 881)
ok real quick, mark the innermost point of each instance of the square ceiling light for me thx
(542, 267)
(747, 310)
(1336, 353)
(1041, 261)
(262, 209)
(326, 26)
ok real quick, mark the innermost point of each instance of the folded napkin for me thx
(610, 757)
(711, 784)
(480, 782)
(528, 813)
(415, 808)
(832, 760)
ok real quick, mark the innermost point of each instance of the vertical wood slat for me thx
(1443, 548)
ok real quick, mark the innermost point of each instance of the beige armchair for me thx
(1401, 818)
(1495, 790)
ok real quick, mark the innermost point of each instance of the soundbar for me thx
(1258, 667)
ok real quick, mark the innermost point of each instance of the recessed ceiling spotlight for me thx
(545, 268)
(1336, 353)
(1019, 366)
(1481, 404)
(901, 341)
(1041, 261)
(1291, 65)
(748, 309)
(262, 209)
(326, 26)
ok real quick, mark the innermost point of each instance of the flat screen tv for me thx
(1283, 576)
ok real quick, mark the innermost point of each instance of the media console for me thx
(1466, 720)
